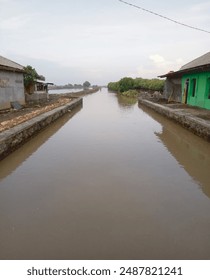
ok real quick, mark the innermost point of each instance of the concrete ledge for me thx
(195, 124)
(11, 139)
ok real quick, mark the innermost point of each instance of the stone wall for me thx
(11, 139)
(197, 125)
(36, 98)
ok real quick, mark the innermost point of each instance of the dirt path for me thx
(11, 118)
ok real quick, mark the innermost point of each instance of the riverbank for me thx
(195, 119)
(10, 118)
(18, 126)
(16, 136)
(132, 161)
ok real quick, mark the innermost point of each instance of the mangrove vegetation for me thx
(131, 85)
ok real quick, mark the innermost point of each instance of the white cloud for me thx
(180, 61)
(145, 72)
(157, 59)
(104, 40)
(13, 23)
(160, 62)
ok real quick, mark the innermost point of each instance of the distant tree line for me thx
(85, 85)
(31, 75)
(128, 83)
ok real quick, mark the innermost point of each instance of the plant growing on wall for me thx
(30, 76)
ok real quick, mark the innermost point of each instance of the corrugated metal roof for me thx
(9, 63)
(200, 61)
(44, 82)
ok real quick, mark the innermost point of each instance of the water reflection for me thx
(192, 152)
(103, 187)
(125, 102)
(11, 162)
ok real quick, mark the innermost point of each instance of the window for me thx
(193, 83)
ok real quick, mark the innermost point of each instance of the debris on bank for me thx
(25, 116)
(18, 126)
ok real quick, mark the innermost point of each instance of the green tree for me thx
(125, 84)
(86, 84)
(149, 84)
(113, 86)
(30, 76)
(156, 84)
(41, 77)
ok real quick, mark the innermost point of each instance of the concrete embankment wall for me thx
(11, 139)
(197, 125)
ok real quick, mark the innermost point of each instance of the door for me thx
(186, 90)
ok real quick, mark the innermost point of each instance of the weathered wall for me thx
(11, 88)
(11, 139)
(36, 97)
(173, 89)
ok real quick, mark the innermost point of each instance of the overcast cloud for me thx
(102, 40)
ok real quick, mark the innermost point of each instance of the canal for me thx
(112, 180)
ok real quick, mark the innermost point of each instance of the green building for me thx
(191, 84)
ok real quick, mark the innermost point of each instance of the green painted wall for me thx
(198, 89)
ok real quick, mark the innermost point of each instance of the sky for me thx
(71, 41)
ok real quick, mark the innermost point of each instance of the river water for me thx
(112, 180)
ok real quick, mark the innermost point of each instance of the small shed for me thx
(38, 87)
(11, 83)
(173, 86)
(191, 84)
(38, 92)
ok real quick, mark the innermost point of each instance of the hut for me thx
(190, 84)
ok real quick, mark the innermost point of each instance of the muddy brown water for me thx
(114, 180)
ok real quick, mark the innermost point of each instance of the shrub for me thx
(130, 93)
(113, 86)
(125, 84)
